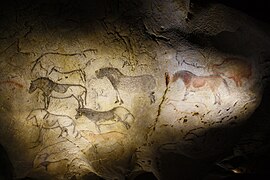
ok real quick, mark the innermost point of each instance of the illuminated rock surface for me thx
(106, 89)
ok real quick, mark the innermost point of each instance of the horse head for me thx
(100, 73)
(33, 87)
(79, 113)
(41, 82)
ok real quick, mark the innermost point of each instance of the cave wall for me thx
(112, 88)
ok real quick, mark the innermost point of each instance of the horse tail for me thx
(85, 96)
(83, 75)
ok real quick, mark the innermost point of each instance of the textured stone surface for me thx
(106, 88)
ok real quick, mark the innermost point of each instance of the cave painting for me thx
(118, 114)
(65, 125)
(50, 62)
(233, 68)
(52, 89)
(132, 84)
(196, 83)
(57, 131)
(45, 120)
(85, 94)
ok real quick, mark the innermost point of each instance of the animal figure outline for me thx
(118, 114)
(233, 68)
(197, 83)
(45, 120)
(54, 61)
(132, 84)
(55, 90)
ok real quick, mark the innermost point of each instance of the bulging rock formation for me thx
(108, 88)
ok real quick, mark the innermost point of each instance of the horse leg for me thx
(119, 119)
(126, 124)
(74, 131)
(152, 97)
(46, 101)
(85, 97)
(236, 80)
(217, 98)
(185, 95)
(63, 130)
(78, 134)
(118, 98)
(82, 75)
(38, 140)
(240, 83)
(80, 101)
(98, 128)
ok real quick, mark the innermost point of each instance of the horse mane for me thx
(84, 110)
(43, 83)
(110, 70)
(113, 74)
(184, 75)
(43, 79)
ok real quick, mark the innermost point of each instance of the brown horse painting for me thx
(233, 68)
(193, 82)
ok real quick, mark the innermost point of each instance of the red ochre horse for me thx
(193, 82)
(233, 68)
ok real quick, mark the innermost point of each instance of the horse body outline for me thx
(233, 68)
(45, 120)
(191, 80)
(119, 114)
(55, 90)
(132, 84)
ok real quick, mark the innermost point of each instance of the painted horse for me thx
(52, 89)
(47, 121)
(132, 84)
(233, 68)
(118, 114)
(196, 83)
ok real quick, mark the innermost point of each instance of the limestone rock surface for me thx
(104, 88)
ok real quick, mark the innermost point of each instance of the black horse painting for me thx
(52, 89)
(118, 114)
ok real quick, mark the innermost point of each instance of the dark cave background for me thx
(255, 162)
